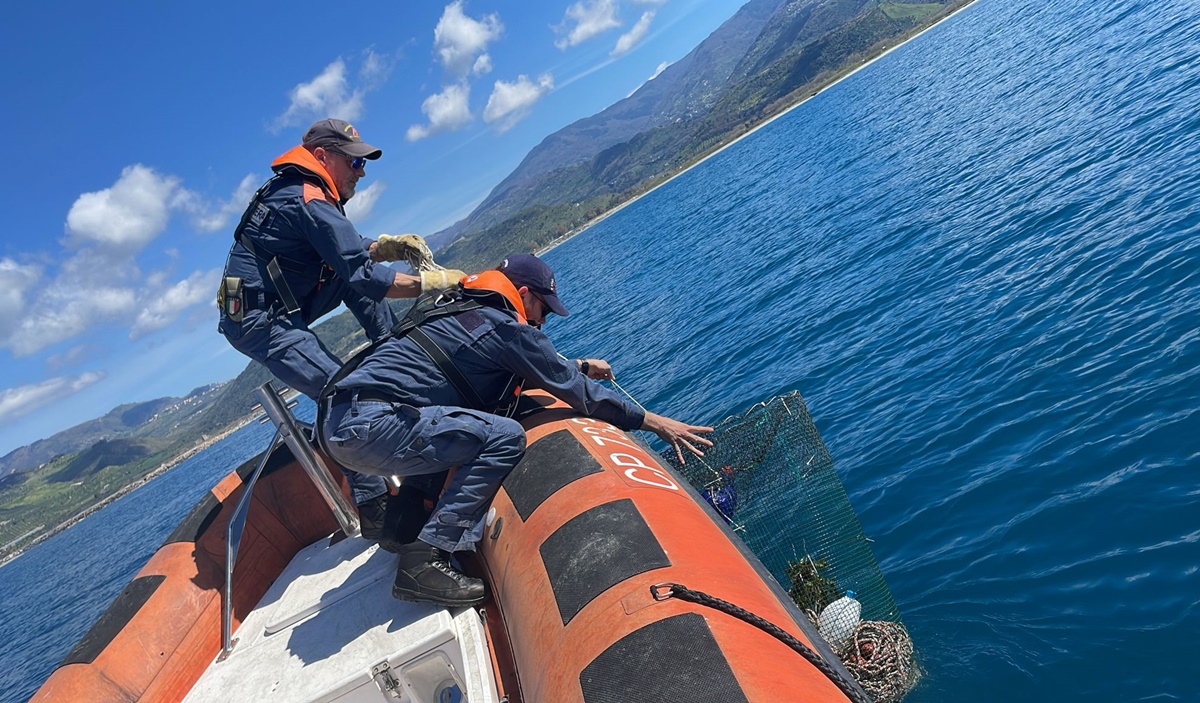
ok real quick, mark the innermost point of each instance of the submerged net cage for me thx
(769, 475)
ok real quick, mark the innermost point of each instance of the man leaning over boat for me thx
(435, 396)
(296, 257)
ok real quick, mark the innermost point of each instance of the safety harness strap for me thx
(257, 213)
(445, 364)
(281, 287)
(427, 307)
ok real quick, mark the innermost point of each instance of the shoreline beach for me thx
(605, 215)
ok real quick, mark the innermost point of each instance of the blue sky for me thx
(137, 131)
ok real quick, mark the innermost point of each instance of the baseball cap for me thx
(340, 136)
(529, 271)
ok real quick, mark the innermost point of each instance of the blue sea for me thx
(978, 259)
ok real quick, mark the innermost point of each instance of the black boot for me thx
(406, 514)
(425, 574)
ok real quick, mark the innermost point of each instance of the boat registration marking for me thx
(635, 464)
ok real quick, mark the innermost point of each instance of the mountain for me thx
(103, 454)
(152, 418)
(683, 91)
(765, 58)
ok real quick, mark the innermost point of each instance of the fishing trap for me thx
(770, 477)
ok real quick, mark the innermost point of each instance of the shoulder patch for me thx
(312, 192)
(470, 319)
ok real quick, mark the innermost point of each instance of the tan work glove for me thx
(441, 279)
(409, 248)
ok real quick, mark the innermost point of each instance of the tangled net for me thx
(880, 656)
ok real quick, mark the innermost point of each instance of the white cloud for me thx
(327, 95)
(160, 307)
(15, 281)
(586, 19)
(359, 207)
(129, 214)
(15, 402)
(71, 357)
(375, 70)
(70, 305)
(461, 42)
(657, 72)
(447, 111)
(631, 38)
(99, 280)
(511, 102)
(214, 217)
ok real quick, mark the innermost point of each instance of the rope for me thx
(627, 394)
(663, 591)
(881, 660)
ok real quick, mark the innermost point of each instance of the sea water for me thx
(979, 260)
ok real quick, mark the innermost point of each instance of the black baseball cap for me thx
(340, 136)
(529, 271)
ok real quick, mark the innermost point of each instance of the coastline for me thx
(48, 532)
(605, 215)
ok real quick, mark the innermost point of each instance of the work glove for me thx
(412, 249)
(409, 248)
(441, 279)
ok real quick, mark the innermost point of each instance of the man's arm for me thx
(532, 356)
(405, 286)
(346, 251)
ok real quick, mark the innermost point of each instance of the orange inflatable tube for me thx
(583, 528)
(164, 629)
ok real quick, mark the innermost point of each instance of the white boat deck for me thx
(329, 630)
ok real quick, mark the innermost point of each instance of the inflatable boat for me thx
(587, 548)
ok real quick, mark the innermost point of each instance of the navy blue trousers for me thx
(384, 438)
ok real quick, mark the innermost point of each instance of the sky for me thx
(137, 132)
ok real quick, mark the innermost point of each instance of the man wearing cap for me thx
(427, 400)
(296, 257)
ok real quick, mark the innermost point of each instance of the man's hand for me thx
(677, 434)
(598, 369)
(409, 248)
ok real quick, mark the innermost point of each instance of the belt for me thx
(347, 395)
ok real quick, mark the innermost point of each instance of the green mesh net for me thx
(772, 479)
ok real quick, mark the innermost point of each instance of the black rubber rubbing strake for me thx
(550, 463)
(675, 660)
(596, 550)
(848, 686)
(197, 520)
(113, 620)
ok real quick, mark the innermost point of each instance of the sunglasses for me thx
(356, 162)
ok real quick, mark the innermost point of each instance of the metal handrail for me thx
(286, 432)
(310, 461)
(233, 540)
